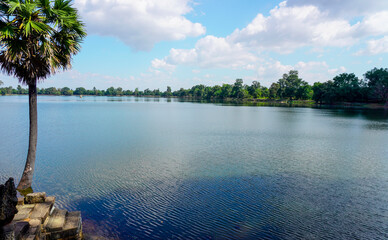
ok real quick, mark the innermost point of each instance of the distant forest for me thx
(345, 87)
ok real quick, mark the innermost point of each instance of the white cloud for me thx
(374, 24)
(161, 64)
(374, 47)
(343, 8)
(288, 28)
(139, 23)
(212, 52)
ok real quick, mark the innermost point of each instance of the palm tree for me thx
(37, 39)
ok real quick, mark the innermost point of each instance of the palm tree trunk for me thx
(26, 180)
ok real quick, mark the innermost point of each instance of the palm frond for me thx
(38, 37)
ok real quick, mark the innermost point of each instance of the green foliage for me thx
(52, 91)
(237, 90)
(378, 83)
(80, 91)
(344, 87)
(274, 90)
(38, 37)
(289, 85)
(20, 90)
(323, 92)
(168, 92)
(304, 91)
(226, 91)
(66, 91)
(347, 87)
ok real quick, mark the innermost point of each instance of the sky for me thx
(181, 43)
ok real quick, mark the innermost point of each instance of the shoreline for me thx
(251, 102)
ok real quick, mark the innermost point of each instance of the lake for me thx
(150, 168)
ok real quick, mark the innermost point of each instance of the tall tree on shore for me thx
(289, 85)
(378, 82)
(37, 39)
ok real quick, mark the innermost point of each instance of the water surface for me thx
(155, 168)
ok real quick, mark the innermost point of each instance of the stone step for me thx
(73, 224)
(20, 228)
(41, 211)
(39, 219)
(23, 212)
(50, 199)
(38, 197)
(34, 211)
(72, 228)
(56, 220)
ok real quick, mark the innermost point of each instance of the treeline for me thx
(345, 87)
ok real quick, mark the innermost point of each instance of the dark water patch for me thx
(276, 207)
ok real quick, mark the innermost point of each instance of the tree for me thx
(66, 91)
(80, 91)
(273, 90)
(347, 87)
(378, 82)
(168, 92)
(324, 92)
(119, 91)
(255, 89)
(37, 38)
(111, 91)
(264, 92)
(136, 92)
(237, 90)
(289, 84)
(20, 90)
(319, 92)
(156, 92)
(304, 91)
(198, 91)
(226, 90)
(52, 91)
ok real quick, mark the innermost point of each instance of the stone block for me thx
(34, 223)
(32, 198)
(24, 212)
(20, 200)
(56, 235)
(50, 199)
(21, 229)
(41, 211)
(73, 224)
(56, 221)
(34, 231)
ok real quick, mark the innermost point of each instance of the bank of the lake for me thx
(287, 103)
(252, 102)
(167, 168)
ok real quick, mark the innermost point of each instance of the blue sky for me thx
(181, 43)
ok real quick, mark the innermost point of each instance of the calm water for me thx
(142, 168)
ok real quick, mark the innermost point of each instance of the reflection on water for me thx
(142, 168)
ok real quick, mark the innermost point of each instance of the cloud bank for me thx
(287, 28)
(139, 23)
